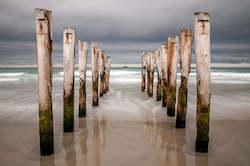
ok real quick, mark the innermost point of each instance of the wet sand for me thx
(128, 128)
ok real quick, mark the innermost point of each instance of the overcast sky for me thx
(124, 28)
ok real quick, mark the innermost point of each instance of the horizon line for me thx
(193, 65)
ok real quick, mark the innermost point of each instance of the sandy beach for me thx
(128, 128)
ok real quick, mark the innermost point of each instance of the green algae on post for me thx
(68, 115)
(68, 85)
(45, 70)
(202, 53)
(173, 44)
(171, 100)
(181, 107)
(46, 130)
(82, 48)
(185, 61)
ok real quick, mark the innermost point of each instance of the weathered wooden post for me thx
(164, 57)
(108, 72)
(159, 69)
(102, 67)
(148, 76)
(95, 72)
(105, 75)
(173, 43)
(185, 61)
(45, 72)
(69, 69)
(83, 50)
(202, 53)
(151, 73)
(143, 72)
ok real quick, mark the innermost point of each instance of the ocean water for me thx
(218, 75)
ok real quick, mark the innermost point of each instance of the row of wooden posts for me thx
(99, 66)
(166, 59)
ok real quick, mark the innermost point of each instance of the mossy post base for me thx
(180, 124)
(201, 146)
(143, 79)
(171, 100)
(82, 99)
(46, 131)
(101, 85)
(151, 84)
(182, 104)
(171, 112)
(158, 91)
(143, 82)
(95, 94)
(164, 93)
(68, 121)
(202, 126)
(148, 81)
(104, 84)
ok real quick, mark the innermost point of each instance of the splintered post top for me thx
(94, 44)
(202, 16)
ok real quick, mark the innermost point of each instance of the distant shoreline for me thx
(213, 65)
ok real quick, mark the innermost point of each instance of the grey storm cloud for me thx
(127, 25)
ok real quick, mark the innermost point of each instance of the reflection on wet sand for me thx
(103, 130)
(96, 142)
(47, 160)
(83, 142)
(99, 138)
(201, 159)
(167, 146)
(128, 128)
(69, 149)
